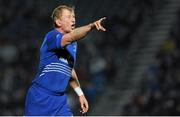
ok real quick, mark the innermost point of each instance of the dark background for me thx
(131, 69)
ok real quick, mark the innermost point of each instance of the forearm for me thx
(81, 32)
(77, 34)
(74, 82)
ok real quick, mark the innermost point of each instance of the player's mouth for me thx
(73, 26)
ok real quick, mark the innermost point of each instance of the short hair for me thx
(57, 12)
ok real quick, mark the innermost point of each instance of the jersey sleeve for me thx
(54, 41)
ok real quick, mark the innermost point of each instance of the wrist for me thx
(92, 25)
(78, 91)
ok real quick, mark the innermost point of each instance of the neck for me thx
(60, 30)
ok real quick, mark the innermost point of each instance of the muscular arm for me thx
(81, 32)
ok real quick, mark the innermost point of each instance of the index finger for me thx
(103, 18)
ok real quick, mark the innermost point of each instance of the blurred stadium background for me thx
(132, 69)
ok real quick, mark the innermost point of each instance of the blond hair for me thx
(57, 12)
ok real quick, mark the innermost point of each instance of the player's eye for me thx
(69, 16)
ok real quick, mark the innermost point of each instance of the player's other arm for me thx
(81, 32)
(74, 83)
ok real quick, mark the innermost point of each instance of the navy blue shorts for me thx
(41, 102)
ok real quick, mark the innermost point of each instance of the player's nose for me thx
(73, 20)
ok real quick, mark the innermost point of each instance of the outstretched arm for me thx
(74, 83)
(81, 32)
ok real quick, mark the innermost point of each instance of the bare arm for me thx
(81, 32)
(74, 83)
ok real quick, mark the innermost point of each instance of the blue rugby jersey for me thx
(56, 63)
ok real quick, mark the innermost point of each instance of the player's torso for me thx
(56, 66)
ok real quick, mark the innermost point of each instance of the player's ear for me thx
(58, 22)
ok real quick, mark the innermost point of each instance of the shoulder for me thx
(54, 34)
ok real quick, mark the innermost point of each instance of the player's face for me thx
(67, 21)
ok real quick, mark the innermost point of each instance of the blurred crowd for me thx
(23, 25)
(18, 53)
(159, 92)
(100, 58)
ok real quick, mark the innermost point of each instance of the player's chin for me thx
(72, 28)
